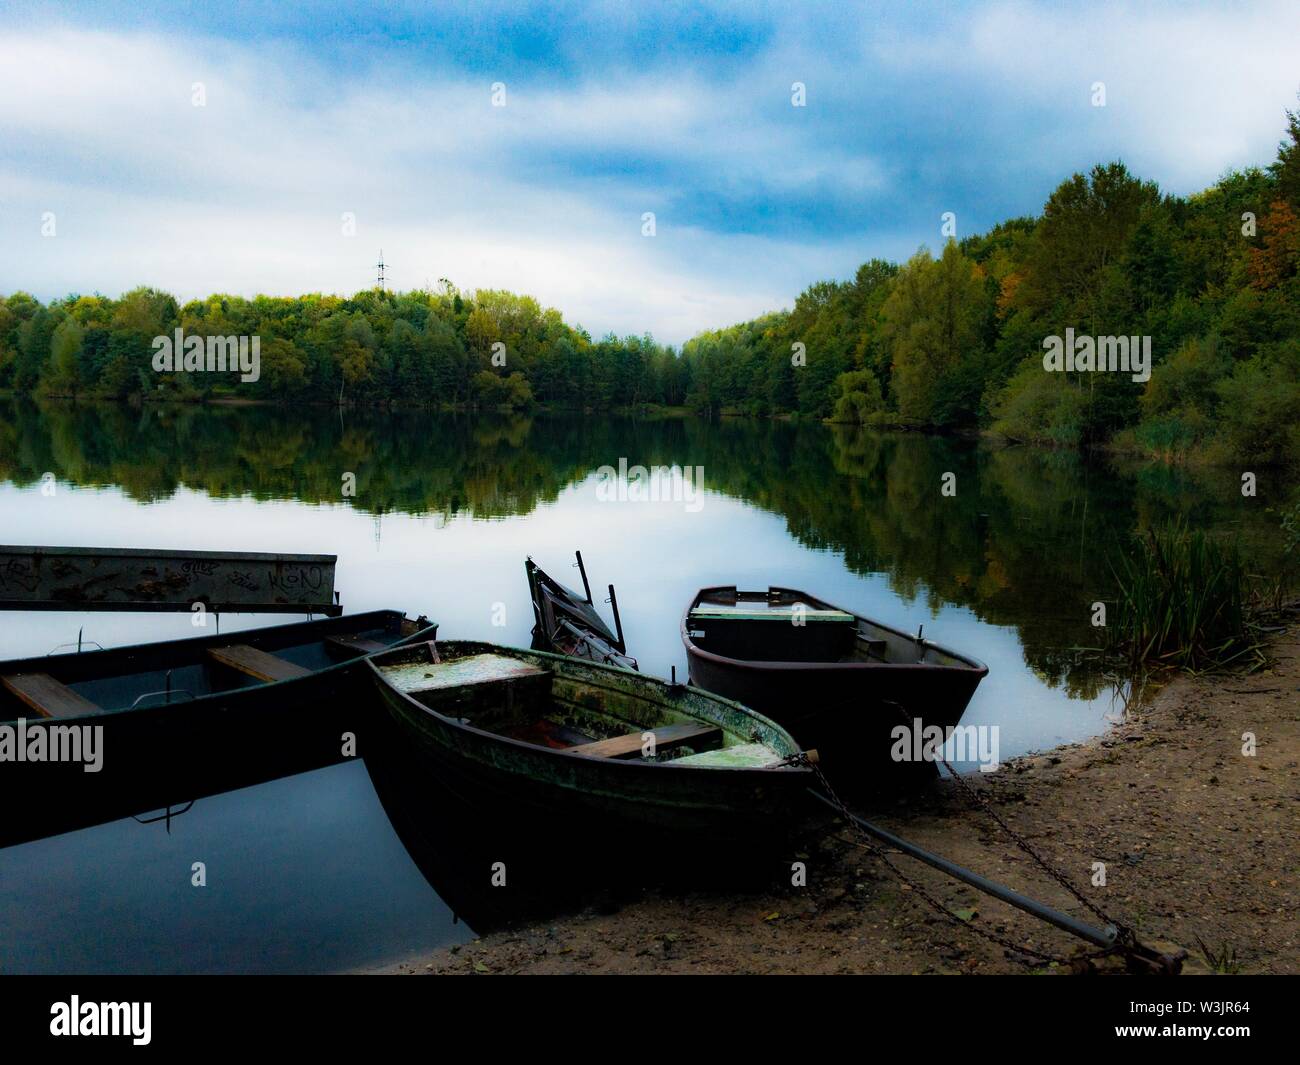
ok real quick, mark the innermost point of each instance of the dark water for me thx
(314, 871)
(303, 874)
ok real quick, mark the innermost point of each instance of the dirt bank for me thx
(1199, 842)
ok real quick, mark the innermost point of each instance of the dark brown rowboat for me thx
(829, 676)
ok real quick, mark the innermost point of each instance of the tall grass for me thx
(1183, 602)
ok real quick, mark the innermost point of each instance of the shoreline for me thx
(1114, 448)
(1197, 838)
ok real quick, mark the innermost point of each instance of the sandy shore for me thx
(1199, 843)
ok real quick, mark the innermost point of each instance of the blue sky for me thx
(320, 109)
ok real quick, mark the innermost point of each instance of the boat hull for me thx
(845, 715)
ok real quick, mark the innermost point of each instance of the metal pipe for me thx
(583, 570)
(618, 622)
(168, 693)
(1098, 937)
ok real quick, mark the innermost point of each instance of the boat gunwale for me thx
(150, 552)
(578, 664)
(202, 643)
(970, 667)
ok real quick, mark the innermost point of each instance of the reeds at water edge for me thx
(1185, 600)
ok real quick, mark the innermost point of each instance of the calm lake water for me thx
(317, 871)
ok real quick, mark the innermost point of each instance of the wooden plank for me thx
(666, 737)
(356, 645)
(256, 663)
(47, 696)
(413, 677)
(741, 756)
(94, 578)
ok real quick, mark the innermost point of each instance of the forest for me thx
(487, 349)
(956, 341)
(948, 342)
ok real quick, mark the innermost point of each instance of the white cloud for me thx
(246, 194)
(545, 195)
(1190, 91)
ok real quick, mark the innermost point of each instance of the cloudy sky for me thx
(314, 110)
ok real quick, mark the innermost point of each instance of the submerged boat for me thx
(163, 707)
(566, 622)
(583, 742)
(828, 675)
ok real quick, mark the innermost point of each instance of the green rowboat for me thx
(586, 741)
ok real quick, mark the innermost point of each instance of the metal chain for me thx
(978, 800)
(874, 848)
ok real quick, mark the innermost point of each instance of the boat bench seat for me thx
(740, 756)
(473, 685)
(255, 663)
(354, 645)
(665, 738)
(47, 696)
(480, 669)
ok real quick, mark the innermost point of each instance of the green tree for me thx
(63, 378)
(931, 323)
(858, 397)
